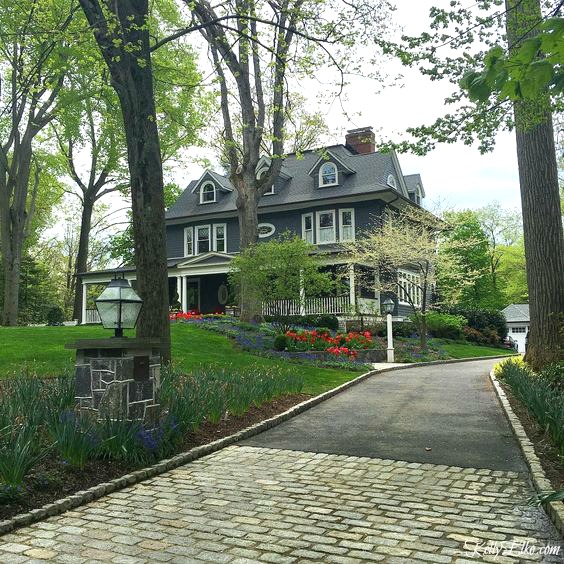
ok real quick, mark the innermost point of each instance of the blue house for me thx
(326, 196)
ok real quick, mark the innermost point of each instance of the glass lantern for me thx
(119, 306)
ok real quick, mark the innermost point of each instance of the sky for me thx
(454, 176)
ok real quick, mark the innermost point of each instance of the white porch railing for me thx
(309, 306)
(92, 316)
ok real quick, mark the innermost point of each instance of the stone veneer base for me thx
(96, 492)
(555, 509)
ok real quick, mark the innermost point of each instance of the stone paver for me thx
(252, 504)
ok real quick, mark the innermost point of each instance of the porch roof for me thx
(206, 263)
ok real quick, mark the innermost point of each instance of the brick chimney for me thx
(361, 140)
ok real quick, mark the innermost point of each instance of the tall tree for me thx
(90, 132)
(254, 46)
(122, 33)
(540, 202)
(519, 87)
(34, 60)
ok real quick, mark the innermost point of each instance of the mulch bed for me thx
(51, 480)
(552, 463)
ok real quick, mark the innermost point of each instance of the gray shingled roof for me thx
(412, 181)
(516, 312)
(370, 175)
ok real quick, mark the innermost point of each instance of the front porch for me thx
(201, 284)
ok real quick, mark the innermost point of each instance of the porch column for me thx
(179, 288)
(184, 293)
(302, 293)
(352, 293)
(84, 297)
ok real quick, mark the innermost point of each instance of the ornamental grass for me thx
(38, 420)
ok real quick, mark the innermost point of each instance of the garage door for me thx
(519, 333)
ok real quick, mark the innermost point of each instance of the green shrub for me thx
(280, 342)
(326, 321)
(55, 316)
(481, 319)
(404, 329)
(445, 325)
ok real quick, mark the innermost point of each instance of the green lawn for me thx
(40, 350)
(467, 350)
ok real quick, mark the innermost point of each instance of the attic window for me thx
(392, 181)
(328, 175)
(207, 193)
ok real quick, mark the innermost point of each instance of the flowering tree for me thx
(280, 272)
(409, 240)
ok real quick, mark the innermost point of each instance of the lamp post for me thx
(118, 305)
(388, 308)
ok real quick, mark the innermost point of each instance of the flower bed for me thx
(340, 344)
(44, 444)
(542, 394)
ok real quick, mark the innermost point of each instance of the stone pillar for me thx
(118, 378)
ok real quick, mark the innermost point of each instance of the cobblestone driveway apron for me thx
(257, 504)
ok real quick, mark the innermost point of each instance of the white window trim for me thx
(196, 242)
(270, 192)
(391, 181)
(215, 226)
(269, 226)
(208, 183)
(353, 226)
(304, 215)
(186, 253)
(318, 228)
(321, 183)
(414, 279)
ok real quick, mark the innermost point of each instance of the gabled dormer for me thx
(261, 169)
(209, 187)
(329, 171)
(415, 188)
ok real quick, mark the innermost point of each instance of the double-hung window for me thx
(188, 241)
(409, 291)
(203, 239)
(346, 225)
(328, 175)
(307, 228)
(220, 237)
(326, 227)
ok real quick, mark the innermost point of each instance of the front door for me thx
(193, 294)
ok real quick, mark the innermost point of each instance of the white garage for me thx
(517, 317)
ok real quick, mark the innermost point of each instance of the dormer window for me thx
(207, 193)
(270, 192)
(328, 175)
(392, 181)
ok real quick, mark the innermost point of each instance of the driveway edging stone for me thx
(82, 497)
(541, 483)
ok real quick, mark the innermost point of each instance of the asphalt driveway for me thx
(443, 414)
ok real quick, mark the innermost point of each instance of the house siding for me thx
(365, 215)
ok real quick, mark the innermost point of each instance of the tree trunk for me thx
(126, 51)
(540, 201)
(82, 256)
(544, 245)
(248, 226)
(12, 269)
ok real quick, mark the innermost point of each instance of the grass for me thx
(468, 350)
(40, 350)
